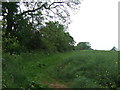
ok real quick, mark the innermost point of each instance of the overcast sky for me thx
(97, 23)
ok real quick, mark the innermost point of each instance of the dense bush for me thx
(17, 73)
(11, 45)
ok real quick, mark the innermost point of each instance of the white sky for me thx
(97, 23)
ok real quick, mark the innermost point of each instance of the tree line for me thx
(26, 31)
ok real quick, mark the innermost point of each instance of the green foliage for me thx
(79, 69)
(13, 76)
(83, 46)
(83, 82)
(51, 38)
(89, 69)
(82, 69)
(11, 45)
(55, 38)
(17, 72)
(19, 28)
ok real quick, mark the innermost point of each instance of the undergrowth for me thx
(76, 69)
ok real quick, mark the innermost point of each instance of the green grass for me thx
(81, 69)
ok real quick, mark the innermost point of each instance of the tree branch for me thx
(42, 6)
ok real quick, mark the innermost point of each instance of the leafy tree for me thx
(19, 25)
(16, 30)
(54, 36)
(83, 46)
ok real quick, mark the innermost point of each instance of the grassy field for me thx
(75, 69)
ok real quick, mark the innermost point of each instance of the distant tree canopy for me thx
(83, 46)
